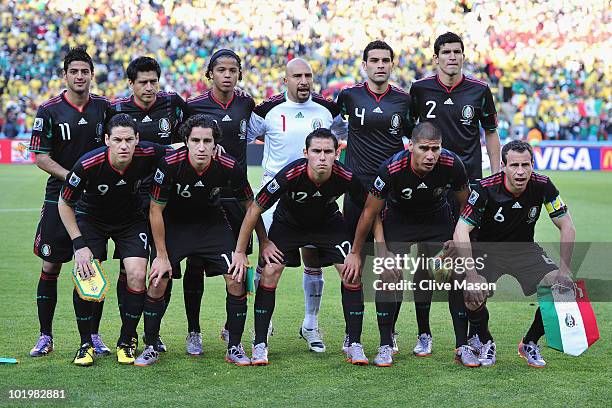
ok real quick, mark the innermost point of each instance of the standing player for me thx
(505, 207)
(378, 117)
(187, 220)
(158, 116)
(66, 127)
(284, 121)
(103, 185)
(459, 106)
(307, 214)
(414, 184)
(231, 110)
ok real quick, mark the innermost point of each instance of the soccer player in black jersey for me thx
(307, 214)
(459, 105)
(414, 185)
(103, 185)
(66, 127)
(378, 119)
(187, 218)
(158, 116)
(231, 109)
(505, 207)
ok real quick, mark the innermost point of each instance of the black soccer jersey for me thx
(65, 133)
(458, 112)
(191, 196)
(304, 204)
(376, 124)
(232, 117)
(159, 123)
(503, 217)
(105, 193)
(409, 193)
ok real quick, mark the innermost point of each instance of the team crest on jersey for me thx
(532, 215)
(74, 180)
(243, 129)
(164, 125)
(379, 184)
(467, 114)
(45, 250)
(38, 124)
(273, 186)
(159, 176)
(473, 197)
(317, 123)
(396, 121)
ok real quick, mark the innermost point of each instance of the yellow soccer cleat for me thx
(125, 354)
(84, 356)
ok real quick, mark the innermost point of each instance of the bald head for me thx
(298, 80)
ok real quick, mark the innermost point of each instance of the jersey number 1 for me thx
(65, 129)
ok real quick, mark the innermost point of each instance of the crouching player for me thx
(307, 214)
(187, 220)
(104, 186)
(506, 207)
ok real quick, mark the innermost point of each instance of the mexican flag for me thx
(568, 318)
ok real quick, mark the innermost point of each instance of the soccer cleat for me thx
(395, 347)
(314, 339)
(158, 343)
(134, 344)
(84, 355)
(99, 346)
(345, 344)
(384, 358)
(356, 355)
(475, 343)
(487, 356)
(125, 354)
(43, 346)
(237, 356)
(423, 346)
(260, 354)
(531, 353)
(224, 335)
(194, 344)
(149, 356)
(465, 355)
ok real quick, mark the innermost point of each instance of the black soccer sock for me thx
(167, 295)
(121, 291)
(46, 299)
(385, 312)
(422, 302)
(193, 289)
(265, 299)
(83, 312)
(153, 311)
(458, 312)
(97, 309)
(236, 309)
(479, 323)
(422, 317)
(352, 305)
(536, 330)
(398, 306)
(132, 310)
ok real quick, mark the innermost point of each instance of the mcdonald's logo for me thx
(606, 159)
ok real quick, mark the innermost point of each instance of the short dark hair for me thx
(321, 133)
(224, 52)
(201, 121)
(426, 131)
(377, 45)
(516, 146)
(77, 54)
(121, 120)
(447, 38)
(142, 64)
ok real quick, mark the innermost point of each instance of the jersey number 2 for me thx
(430, 114)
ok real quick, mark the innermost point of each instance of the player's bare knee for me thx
(51, 268)
(234, 287)
(159, 290)
(472, 306)
(270, 275)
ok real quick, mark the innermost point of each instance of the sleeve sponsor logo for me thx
(273, 186)
(159, 176)
(74, 180)
(38, 124)
(473, 197)
(379, 184)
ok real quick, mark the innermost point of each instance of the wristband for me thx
(79, 243)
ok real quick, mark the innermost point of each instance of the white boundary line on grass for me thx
(10, 210)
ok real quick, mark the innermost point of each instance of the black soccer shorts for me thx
(52, 242)
(235, 212)
(131, 238)
(330, 239)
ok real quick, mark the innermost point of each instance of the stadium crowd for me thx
(546, 63)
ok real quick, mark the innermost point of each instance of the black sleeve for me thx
(552, 201)
(240, 183)
(382, 183)
(42, 136)
(475, 207)
(272, 191)
(163, 180)
(74, 185)
(488, 121)
(181, 115)
(459, 178)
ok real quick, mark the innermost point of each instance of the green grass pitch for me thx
(295, 377)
